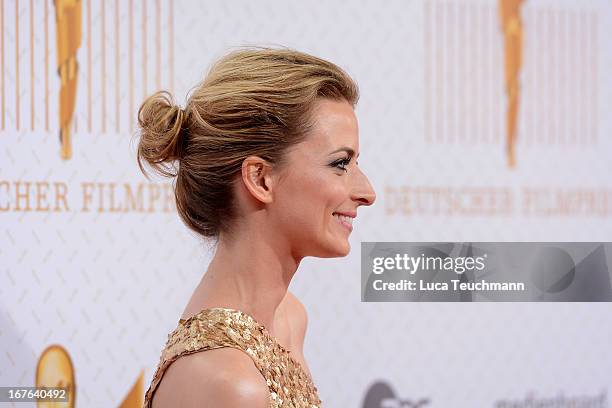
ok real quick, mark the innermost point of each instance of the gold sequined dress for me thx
(289, 385)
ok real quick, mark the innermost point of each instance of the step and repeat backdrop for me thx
(479, 121)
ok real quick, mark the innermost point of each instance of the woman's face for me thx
(321, 186)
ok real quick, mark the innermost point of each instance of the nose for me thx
(362, 191)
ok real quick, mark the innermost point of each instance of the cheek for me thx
(311, 197)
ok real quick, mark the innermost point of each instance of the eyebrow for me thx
(350, 151)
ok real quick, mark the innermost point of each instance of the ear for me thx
(256, 176)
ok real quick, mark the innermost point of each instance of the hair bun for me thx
(162, 139)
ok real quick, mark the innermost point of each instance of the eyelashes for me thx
(342, 163)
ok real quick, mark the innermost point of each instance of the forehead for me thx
(335, 126)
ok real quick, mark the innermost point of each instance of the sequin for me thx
(288, 383)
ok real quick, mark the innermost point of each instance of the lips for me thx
(344, 219)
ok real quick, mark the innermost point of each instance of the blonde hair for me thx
(255, 101)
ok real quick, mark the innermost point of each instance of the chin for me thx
(330, 246)
(346, 249)
(338, 251)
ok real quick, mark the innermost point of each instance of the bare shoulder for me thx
(223, 377)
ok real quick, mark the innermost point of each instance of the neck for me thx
(250, 274)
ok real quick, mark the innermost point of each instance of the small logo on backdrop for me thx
(381, 395)
(591, 400)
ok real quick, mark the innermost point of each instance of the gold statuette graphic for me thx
(55, 369)
(512, 27)
(135, 397)
(68, 24)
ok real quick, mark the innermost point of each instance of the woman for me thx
(265, 159)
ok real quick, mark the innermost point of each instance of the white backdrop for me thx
(94, 258)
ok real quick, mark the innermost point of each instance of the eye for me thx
(342, 163)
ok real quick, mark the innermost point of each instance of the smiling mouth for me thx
(346, 221)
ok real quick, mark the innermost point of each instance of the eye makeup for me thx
(341, 163)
